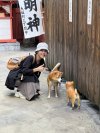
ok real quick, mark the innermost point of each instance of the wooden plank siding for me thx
(75, 44)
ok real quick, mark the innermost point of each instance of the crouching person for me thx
(32, 68)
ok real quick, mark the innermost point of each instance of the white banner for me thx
(70, 10)
(89, 12)
(31, 17)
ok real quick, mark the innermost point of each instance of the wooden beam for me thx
(8, 40)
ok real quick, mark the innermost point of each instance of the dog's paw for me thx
(68, 104)
(78, 107)
(73, 108)
(56, 96)
(48, 96)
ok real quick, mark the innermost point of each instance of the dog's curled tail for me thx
(57, 67)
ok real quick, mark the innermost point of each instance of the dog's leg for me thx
(67, 98)
(73, 102)
(79, 103)
(56, 90)
(49, 88)
(49, 93)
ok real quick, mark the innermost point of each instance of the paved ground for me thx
(42, 115)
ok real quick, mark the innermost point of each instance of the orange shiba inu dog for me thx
(72, 94)
(53, 79)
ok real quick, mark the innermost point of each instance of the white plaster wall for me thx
(5, 30)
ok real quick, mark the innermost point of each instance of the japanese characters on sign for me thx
(70, 10)
(31, 17)
(89, 12)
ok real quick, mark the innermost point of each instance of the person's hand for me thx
(39, 69)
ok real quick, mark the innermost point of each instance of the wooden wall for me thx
(75, 44)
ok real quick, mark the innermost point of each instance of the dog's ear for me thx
(61, 73)
(73, 83)
(67, 84)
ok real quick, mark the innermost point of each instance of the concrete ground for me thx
(42, 115)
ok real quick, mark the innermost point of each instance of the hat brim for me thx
(41, 49)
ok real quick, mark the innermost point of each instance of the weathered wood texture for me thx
(76, 45)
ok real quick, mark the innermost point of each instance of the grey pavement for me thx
(42, 115)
